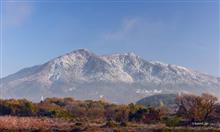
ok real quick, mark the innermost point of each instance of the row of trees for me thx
(190, 107)
(69, 108)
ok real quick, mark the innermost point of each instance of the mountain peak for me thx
(84, 75)
(84, 52)
(128, 54)
(131, 54)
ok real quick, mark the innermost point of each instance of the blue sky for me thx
(182, 33)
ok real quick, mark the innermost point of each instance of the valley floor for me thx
(35, 124)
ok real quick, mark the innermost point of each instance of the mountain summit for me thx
(121, 78)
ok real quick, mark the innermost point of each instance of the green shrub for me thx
(26, 108)
(171, 121)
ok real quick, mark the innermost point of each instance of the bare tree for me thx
(194, 107)
(209, 103)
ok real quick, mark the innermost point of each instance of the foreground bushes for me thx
(69, 108)
(112, 114)
(17, 107)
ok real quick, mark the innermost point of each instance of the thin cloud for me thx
(138, 28)
(126, 27)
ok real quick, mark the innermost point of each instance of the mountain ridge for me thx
(72, 71)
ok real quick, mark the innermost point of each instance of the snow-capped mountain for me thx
(119, 78)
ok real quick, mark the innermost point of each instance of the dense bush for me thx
(145, 115)
(171, 121)
(118, 113)
(20, 107)
(99, 111)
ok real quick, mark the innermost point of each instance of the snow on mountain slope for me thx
(119, 77)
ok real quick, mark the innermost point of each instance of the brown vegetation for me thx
(198, 108)
(68, 114)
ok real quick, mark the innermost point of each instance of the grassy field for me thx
(13, 124)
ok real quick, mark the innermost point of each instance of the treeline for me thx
(190, 110)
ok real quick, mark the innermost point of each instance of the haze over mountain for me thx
(120, 78)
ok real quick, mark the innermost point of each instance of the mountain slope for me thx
(119, 78)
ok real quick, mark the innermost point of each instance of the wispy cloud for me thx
(138, 28)
(126, 27)
(16, 13)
